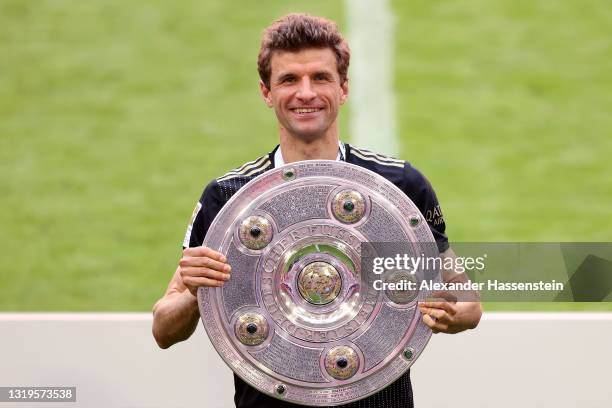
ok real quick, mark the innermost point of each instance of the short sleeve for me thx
(418, 188)
(205, 211)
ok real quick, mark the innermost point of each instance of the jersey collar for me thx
(278, 156)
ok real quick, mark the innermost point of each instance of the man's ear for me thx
(265, 94)
(345, 91)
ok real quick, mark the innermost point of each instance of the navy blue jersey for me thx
(399, 172)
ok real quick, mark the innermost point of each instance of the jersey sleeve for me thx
(417, 187)
(205, 211)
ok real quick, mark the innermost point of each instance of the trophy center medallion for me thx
(319, 283)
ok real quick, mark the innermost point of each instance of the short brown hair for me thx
(295, 32)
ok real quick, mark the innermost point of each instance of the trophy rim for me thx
(235, 357)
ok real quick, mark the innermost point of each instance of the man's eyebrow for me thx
(285, 75)
(323, 72)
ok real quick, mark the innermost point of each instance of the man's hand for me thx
(176, 314)
(202, 266)
(443, 313)
(446, 315)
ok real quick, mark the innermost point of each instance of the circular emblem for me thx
(300, 318)
(403, 289)
(255, 232)
(251, 329)
(348, 206)
(341, 362)
(319, 283)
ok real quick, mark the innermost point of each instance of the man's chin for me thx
(308, 135)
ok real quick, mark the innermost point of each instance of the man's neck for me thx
(296, 149)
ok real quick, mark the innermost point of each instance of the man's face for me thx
(305, 91)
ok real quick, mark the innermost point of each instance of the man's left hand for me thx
(446, 315)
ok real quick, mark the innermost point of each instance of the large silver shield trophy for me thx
(300, 319)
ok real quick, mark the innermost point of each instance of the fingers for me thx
(203, 251)
(194, 277)
(199, 272)
(450, 308)
(204, 257)
(437, 314)
(202, 266)
(443, 308)
(193, 283)
(436, 326)
(206, 262)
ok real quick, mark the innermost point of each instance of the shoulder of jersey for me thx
(375, 159)
(248, 170)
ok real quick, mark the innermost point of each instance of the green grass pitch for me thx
(114, 115)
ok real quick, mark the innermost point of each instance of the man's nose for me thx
(305, 91)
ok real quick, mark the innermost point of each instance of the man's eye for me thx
(287, 80)
(321, 77)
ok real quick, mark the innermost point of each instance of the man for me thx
(303, 64)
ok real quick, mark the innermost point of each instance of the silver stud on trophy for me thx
(342, 362)
(251, 329)
(255, 232)
(406, 289)
(348, 206)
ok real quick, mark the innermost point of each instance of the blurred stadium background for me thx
(114, 115)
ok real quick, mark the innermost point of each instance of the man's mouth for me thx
(302, 111)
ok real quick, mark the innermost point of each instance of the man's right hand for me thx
(202, 266)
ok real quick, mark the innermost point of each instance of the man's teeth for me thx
(306, 110)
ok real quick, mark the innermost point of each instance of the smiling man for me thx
(306, 91)
(303, 64)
